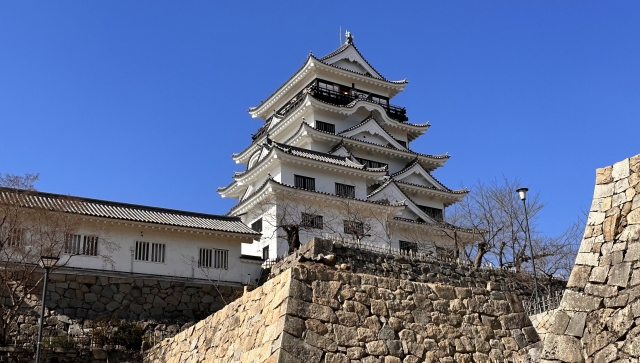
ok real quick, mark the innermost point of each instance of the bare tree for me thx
(290, 212)
(29, 229)
(497, 211)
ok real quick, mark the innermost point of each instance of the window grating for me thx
(152, 252)
(353, 227)
(76, 244)
(434, 213)
(409, 246)
(213, 258)
(15, 237)
(312, 221)
(326, 127)
(304, 182)
(345, 190)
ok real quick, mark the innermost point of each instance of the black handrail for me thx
(342, 99)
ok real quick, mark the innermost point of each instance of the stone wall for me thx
(247, 330)
(599, 317)
(74, 301)
(543, 322)
(315, 313)
(421, 268)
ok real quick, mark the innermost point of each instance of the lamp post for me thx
(522, 192)
(46, 262)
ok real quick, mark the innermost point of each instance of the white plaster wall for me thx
(325, 179)
(116, 242)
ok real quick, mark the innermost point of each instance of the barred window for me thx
(353, 227)
(409, 246)
(15, 238)
(76, 244)
(345, 190)
(304, 182)
(434, 213)
(151, 252)
(213, 258)
(326, 127)
(257, 225)
(312, 221)
(265, 253)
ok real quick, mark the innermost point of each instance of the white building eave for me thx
(307, 132)
(270, 186)
(310, 67)
(413, 130)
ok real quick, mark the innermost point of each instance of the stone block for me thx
(377, 347)
(603, 175)
(86, 279)
(620, 170)
(603, 190)
(579, 302)
(562, 347)
(579, 276)
(619, 274)
(589, 259)
(302, 351)
(599, 274)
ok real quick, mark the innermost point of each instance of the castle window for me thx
(304, 182)
(345, 190)
(257, 225)
(353, 227)
(213, 258)
(312, 221)
(408, 246)
(76, 244)
(326, 127)
(434, 213)
(265, 253)
(150, 252)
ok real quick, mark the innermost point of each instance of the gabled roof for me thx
(127, 212)
(413, 130)
(432, 161)
(391, 187)
(313, 61)
(415, 167)
(274, 147)
(349, 51)
(271, 182)
(372, 126)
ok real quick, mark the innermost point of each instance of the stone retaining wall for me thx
(74, 301)
(411, 268)
(599, 317)
(314, 313)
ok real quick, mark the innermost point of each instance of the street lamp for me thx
(522, 192)
(46, 262)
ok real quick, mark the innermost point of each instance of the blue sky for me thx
(144, 102)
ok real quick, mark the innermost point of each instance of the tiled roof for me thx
(324, 157)
(463, 191)
(439, 224)
(345, 47)
(270, 180)
(124, 211)
(337, 51)
(412, 163)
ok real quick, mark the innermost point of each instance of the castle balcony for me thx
(341, 95)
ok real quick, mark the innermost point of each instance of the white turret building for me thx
(333, 159)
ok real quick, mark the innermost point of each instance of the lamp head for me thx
(48, 261)
(522, 192)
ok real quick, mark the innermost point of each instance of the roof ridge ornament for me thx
(348, 37)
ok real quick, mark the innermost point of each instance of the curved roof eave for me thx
(311, 62)
(272, 182)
